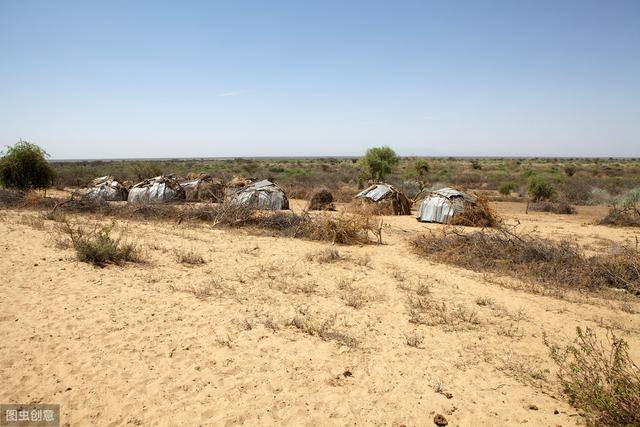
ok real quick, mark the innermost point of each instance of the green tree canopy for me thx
(25, 166)
(378, 162)
(540, 189)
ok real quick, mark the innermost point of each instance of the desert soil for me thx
(264, 333)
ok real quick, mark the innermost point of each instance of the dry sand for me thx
(170, 344)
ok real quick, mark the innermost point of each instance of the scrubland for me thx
(207, 317)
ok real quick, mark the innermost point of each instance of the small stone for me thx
(556, 412)
(533, 407)
(440, 420)
(347, 373)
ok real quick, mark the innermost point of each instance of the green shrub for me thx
(600, 380)
(25, 166)
(507, 188)
(540, 189)
(378, 162)
(97, 247)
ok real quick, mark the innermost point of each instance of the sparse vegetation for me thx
(529, 257)
(599, 378)
(190, 257)
(554, 206)
(96, 246)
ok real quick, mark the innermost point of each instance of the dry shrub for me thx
(341, 228)
(98, 247)
(190, 257)
(526, 256)
(11, 198)
(478, 214)
(554, 206)
(600, 379)
(325, 256)
(622, 217)
(322, 200)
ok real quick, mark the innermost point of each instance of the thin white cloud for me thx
(231, 93)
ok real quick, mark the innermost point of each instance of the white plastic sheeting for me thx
(262, 195)
(442, 205)
(156, 190)
(105, 189)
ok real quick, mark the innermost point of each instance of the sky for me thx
(147, 79)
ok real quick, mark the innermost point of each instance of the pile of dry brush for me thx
(477, 214)
(554, 206)
(622, 217)
(529, 257)
(340, 228)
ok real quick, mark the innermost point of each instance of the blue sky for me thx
(112, 79)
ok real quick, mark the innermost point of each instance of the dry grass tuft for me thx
(526, 256)
(599, 378)
(190, 257)
(324, 329)
(325, 256)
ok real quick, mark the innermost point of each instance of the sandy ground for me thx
(170, 344)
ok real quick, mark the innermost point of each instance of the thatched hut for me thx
(262, 195)
(387, 199)
(202, 188)
(322, 200)
(161, 189)
(106, 188)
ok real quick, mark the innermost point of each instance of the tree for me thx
(421, 168)
(540, 189)
(378, 162)
(24, 166)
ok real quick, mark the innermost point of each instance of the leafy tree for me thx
(421, 167)
(378, 162)
(25, 166)
(540, 189)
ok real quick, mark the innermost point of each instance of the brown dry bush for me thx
(11, 198)
(599, 379)
(478, 214)
(526, 256)
(622, 217)
(554, 206)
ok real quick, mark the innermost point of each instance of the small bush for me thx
(599, 379)
(190, 257)
(507, 188)
(24, 166)
(11, 198)
(97, 247)
(553, 206)
(325, 256)
(539, 188)
(621, 217)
